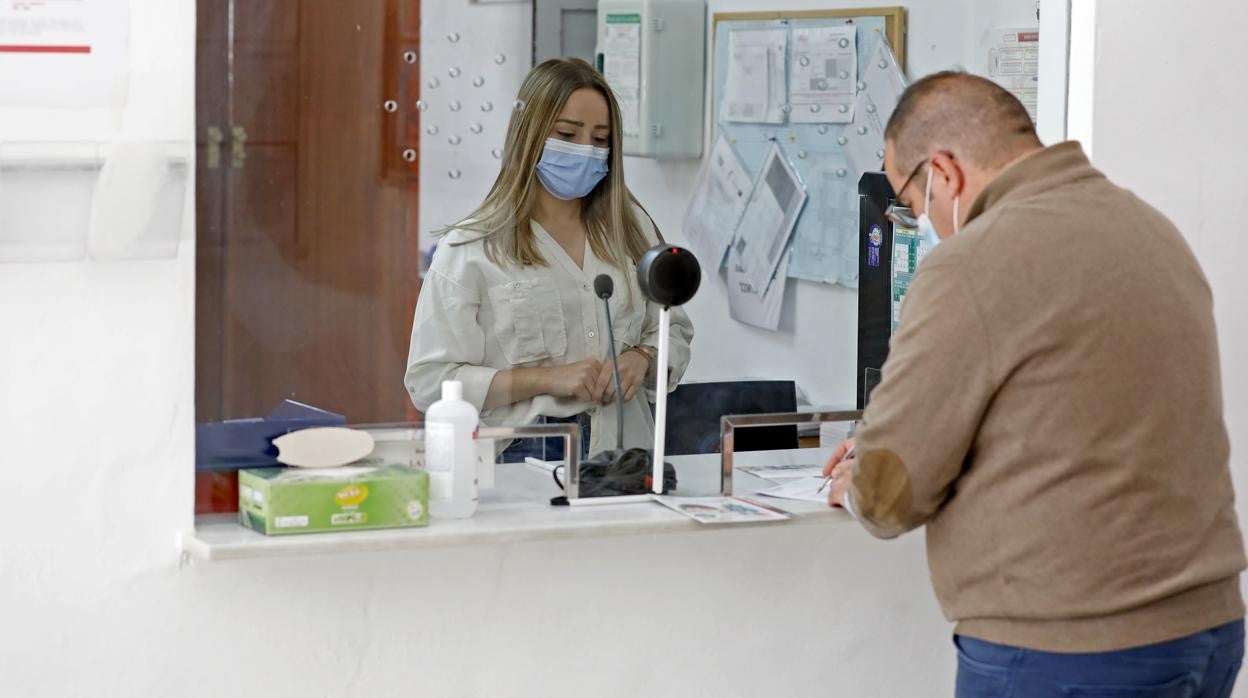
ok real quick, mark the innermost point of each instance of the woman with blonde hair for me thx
(508, 305)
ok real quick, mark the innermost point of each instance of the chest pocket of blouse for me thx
(528, 321)
(627, 319)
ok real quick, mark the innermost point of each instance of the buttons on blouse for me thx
(591, 334)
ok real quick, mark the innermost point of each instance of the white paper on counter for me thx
(783, 473)
(719, 196)
(803, 489)
(754, 90)
(823, 74)
(720, 510)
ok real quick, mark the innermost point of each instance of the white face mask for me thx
(926, 229)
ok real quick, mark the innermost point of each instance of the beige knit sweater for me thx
(1051, 409)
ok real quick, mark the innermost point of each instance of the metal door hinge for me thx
(239, 148)
(215, 138)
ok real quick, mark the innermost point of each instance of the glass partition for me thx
(306, 184)
(323, 127)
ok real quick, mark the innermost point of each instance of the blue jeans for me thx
(1203, 665)
(546, 449)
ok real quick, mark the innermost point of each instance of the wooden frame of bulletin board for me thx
(894, 22)
(824, 240)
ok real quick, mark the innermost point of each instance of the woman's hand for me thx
(578, 380)
(633, 368)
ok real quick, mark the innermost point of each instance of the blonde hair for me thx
(502, 220)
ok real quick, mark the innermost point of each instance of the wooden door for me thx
(307, 253)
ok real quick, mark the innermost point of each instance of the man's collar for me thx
(1038, 171)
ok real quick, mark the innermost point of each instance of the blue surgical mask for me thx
(569, 170)
(925, 227)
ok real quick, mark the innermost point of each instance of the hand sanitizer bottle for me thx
(451, 454)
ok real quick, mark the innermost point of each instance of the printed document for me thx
(781, 473)
(768, 220)
(1014, 63)
(720, 510)
(883, 83)
(722, 188)
(621, 66)
(802, 489)
(754, 91)
(823, 74)
(751, 305)
(64, 53)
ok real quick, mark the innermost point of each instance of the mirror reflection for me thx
(525, 296)
(514, 305)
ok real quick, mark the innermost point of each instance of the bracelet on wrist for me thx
(644, 351)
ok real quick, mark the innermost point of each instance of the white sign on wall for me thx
(63, 53)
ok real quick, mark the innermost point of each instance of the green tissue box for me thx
(281, 501)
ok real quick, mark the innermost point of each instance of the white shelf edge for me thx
(390, 540)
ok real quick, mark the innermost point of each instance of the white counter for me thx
(518, 509)
(526, 599)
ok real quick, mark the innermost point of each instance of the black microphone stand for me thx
(616, 473)
(600, 288)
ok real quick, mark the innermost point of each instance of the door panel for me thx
(307, 267)
(212, 120)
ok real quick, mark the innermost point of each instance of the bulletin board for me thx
(825, 240)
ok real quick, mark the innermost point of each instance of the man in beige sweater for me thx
(1051, 410)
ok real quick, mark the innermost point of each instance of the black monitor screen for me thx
(694, 412)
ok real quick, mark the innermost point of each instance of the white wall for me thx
(95, 445)
(482, 33)
(96, 410)
(1173, 132)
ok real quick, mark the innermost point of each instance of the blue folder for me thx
(248, 443)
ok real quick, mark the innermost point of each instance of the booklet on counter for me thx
(721, 510)
(783, 472)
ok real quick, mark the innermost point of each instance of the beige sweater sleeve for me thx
(922, 418)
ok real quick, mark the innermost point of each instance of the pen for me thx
(848, 455)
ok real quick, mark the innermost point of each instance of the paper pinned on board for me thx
(1014, 63)
(883, 79)
(882, 85)
(825, 240)
(719, 196)
(621, 66)
(721, 510)
(864, 139)
(751, 305)
(769, 217)
(754, 91)
(823, 74)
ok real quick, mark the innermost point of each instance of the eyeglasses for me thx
(902, 215)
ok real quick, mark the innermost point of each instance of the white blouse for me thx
(475, 318)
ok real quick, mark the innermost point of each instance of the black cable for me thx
(615, 371)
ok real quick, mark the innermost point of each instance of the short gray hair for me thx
(971, 116)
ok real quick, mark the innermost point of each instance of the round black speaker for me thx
(668, 275)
